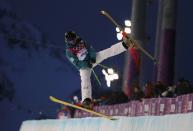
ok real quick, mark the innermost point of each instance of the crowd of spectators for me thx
(149, 90)
(158, 89)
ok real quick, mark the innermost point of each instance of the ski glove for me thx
(92, 60)
(90, 65)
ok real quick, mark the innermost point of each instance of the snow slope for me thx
(179, 122)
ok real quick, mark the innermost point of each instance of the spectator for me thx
(137, 93)
(170, 92)
(183, 87)
(148, 90)
(159, 88)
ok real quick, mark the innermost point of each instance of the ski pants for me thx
(85, 74)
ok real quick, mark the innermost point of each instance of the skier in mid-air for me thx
(84, 58)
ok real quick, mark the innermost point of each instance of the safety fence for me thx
(153, 106)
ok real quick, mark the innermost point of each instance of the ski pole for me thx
(96, 77)
(103, 66)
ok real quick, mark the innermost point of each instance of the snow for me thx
(179, 122)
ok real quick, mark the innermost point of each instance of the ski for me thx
(129, 38)
(53, 99)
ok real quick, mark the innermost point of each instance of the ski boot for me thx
(127, 41)
(88, 104)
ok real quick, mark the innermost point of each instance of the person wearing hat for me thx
(84, 57)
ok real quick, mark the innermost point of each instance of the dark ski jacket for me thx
(81, 55)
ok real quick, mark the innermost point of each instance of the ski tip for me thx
(52, 98)
(103, 12)
(114, 119)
